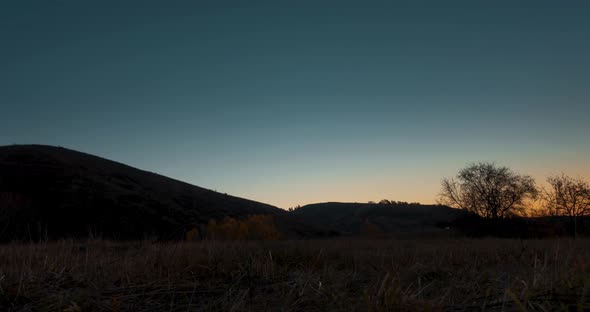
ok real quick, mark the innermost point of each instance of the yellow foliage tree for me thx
(212, 229)
(243, 230)
(260, 227)
(370, 229)
(192, 235)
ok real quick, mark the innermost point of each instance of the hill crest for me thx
(57, 192)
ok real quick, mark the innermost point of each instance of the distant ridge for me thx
(400, 218)
(48, 191)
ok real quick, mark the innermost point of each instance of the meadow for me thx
(446, 274)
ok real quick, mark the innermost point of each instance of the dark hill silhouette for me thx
(403, 219)
(352, 218)
(56, 192)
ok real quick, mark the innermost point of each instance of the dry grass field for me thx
(315, 275)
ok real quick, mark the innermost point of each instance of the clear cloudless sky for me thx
(295, 102)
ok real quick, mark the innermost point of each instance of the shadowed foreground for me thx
(338, 275)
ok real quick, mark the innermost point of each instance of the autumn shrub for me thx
(254, 227)
(370, 229)
(192, 235)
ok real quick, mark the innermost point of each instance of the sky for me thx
(296, 102)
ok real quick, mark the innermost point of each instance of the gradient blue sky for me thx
(294, 102)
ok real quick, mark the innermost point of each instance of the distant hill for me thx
(53, 192)
(356, 218)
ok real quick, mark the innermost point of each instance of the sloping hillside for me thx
(53, 192)
(356, 218)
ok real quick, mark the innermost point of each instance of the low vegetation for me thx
(316, 275)
(261, 227)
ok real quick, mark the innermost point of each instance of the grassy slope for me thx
(69, 193)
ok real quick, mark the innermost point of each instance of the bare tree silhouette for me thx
(488, 190)
(569, 197)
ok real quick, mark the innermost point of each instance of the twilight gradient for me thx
(294, 102)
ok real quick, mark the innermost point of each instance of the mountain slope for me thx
(51, 192)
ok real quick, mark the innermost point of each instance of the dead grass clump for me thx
(320, 275)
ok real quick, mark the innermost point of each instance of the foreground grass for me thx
(330, 275)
